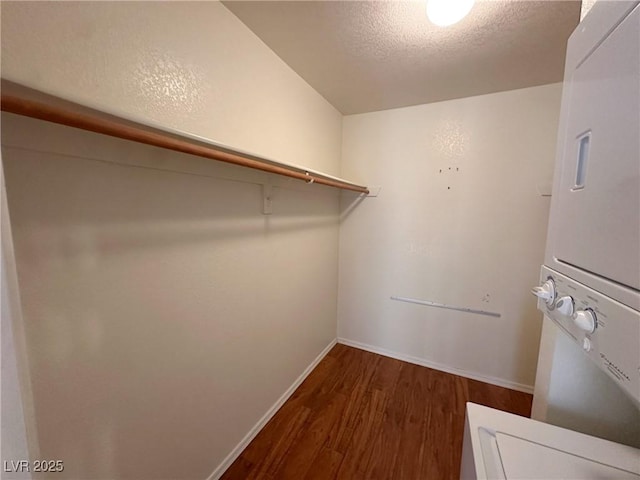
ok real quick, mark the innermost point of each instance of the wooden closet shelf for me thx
(23, 101)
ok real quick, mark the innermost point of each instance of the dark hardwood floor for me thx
(359, 415)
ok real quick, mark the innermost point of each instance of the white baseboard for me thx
(235, 453)
(437, 366)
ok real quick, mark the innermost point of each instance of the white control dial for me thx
(546, 292)
(564, 306)
(586, 320)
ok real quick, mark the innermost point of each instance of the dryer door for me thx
(599, 194)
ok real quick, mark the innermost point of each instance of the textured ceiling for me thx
(365, 56)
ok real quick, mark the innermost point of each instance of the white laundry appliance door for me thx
(524, 459)
(599, 192)
(500, 445)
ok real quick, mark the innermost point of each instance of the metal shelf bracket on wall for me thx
(267, 202)
(445, 306)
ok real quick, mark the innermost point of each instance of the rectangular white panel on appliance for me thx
(502, 445)
(599, 192)
(614, 345)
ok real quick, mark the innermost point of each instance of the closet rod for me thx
(118, 128)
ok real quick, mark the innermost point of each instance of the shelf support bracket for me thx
(267, 204)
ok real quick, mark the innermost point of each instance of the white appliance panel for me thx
(502, 445)
(524, 459)
(614, 345)
(599, 193)
(573, 392)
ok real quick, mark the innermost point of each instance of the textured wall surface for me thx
(164, 314)
(459, 221)
(187, 65)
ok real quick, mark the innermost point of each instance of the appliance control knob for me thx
(586, 344)
(586, 320)
(564, 306)
(546, 292)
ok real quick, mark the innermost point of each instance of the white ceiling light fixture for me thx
(447, 12)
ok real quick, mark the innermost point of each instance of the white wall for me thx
(460, 221)
(164, 314)
(15, 444)
(192, 66)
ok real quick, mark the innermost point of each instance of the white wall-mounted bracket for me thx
(449, 307)
(267, 202)
(374, 191)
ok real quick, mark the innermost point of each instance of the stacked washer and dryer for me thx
(586, 405)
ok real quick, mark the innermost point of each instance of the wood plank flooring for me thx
(359, 415)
